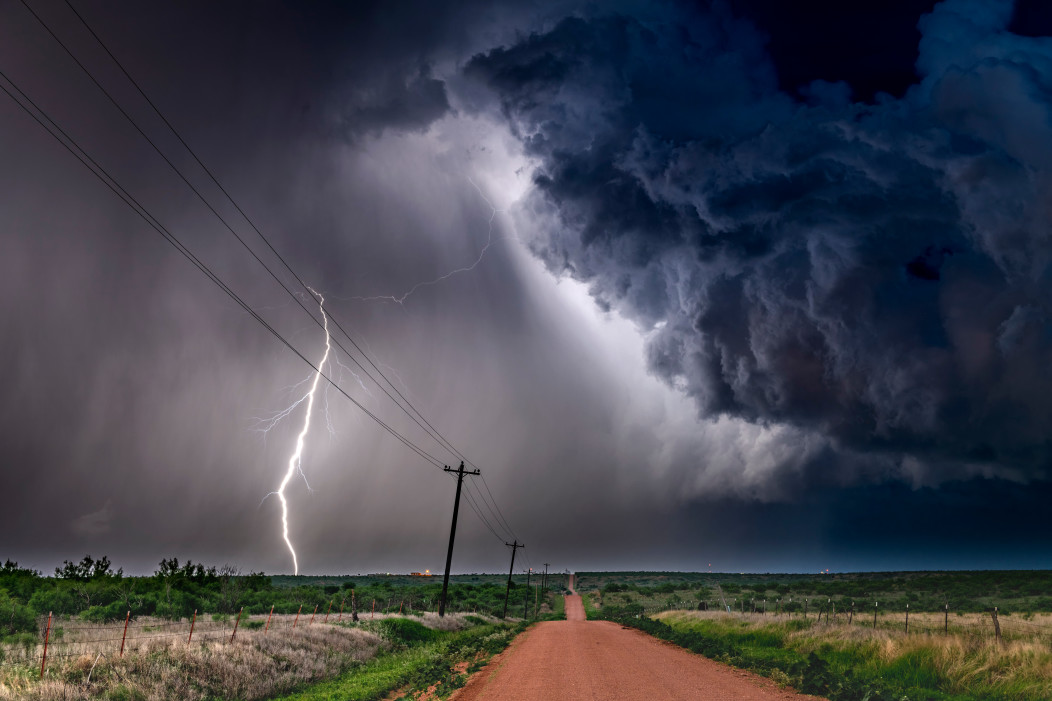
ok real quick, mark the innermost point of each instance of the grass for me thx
(590, 610)
(558, 608)
(441, 664)
(86, 665)
(1019, 592)
(848, 663)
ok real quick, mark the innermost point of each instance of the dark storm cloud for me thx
(876, 274)
(405, 102)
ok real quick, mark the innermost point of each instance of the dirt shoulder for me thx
(578, 659)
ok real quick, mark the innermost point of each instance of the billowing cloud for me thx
(874, 277)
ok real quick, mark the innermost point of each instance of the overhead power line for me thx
(421, 422)
(99, 172)
(404, 404)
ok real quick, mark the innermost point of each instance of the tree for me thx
(88, 570)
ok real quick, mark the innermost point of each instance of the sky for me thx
(739, 285)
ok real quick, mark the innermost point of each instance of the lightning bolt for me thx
(400, 299)
(294, 465)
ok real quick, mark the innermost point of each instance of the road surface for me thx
(577, 660)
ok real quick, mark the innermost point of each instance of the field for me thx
(192, 632)
(1012, 592)
(941, 636)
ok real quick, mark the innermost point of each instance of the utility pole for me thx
(452, 532)
(544, 581)
(514, 545)
(526, 596)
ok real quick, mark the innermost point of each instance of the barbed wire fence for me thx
(990, 624)
(65, 637)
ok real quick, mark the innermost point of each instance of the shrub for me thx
(403, 631)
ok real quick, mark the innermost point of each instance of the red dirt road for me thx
(576, 660)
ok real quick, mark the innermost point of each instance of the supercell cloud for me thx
(869, 279)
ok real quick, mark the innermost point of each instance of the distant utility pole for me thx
(544, 581)
(452, 532)
(526, 596)
(514, 545)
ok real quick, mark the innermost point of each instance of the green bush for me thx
(403, 631)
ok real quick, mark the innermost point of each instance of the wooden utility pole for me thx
(459, 472)
(526, 595)
(514, 545)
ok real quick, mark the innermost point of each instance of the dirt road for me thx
(576, 659)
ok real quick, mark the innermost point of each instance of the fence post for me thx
(327, 613)
(874, 614)
(765, 607)
(125, 636)
(354, 606)
(907, 619)
(313, 614)
(997, 628)
(47, 634)
(851, 615)
(297, 620)
(235, 624)
(946, 621)
(269, 616)
(192, 622)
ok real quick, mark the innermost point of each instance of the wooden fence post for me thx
(269, 616)
(997, 628)
(192, 622)
(297, 620)
(874, 614)
(851, 615)
(47, 635)
(327, 613)
(235, 624)
(125, 636)
(313, 614)
(946, 621)
(907, 619)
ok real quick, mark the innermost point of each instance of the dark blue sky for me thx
(754, 283)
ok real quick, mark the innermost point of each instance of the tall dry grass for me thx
(968, 660)
(85, 664)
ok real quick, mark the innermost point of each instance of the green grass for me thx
(559, 608)
(590, 610)
(855, 663)
(417, 662)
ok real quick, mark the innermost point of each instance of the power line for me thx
(437, 437)
(99, 172)
(480, 497)
(430, 429)
(415, 415)
(500, 515)
(481, 516)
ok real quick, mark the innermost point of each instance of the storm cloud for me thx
(874, 276)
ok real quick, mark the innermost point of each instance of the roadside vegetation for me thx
(195, 632)
(979, 636)
(1013, 592)
(431, 663)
